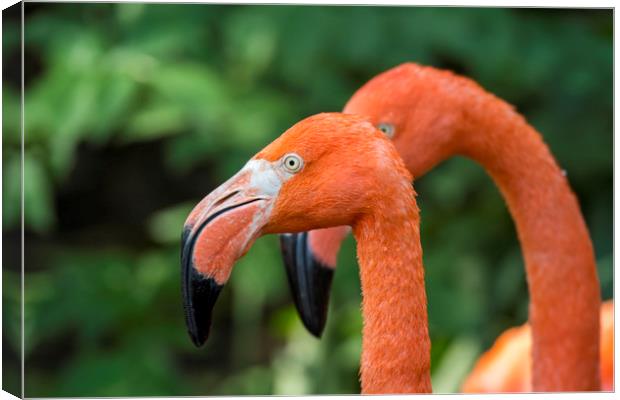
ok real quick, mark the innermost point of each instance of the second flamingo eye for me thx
(293, 163)
(386, 128)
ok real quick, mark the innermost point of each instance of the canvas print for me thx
(294, 199)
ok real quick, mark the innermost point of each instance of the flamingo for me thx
(506, 367)
(431, 115)
(311, 177)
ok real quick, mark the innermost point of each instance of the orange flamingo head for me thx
(412, 105)
(327, 170)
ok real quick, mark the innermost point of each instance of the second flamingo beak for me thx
(310, 280)
(218, 232)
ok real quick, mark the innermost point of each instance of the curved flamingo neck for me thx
(395, 342)
(559, 258)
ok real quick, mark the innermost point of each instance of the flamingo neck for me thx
(559, 258)
(395, 343)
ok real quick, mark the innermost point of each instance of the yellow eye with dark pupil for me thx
(293, 163)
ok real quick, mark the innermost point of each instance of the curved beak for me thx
(310, 260)
(219, 231)
(309, 279)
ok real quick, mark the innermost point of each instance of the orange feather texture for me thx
(437, 114)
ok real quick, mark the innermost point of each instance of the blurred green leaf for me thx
(11, 191)
(166, 224)
(38, 202)
(155, 122)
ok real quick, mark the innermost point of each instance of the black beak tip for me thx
(309, 280)
(199, 301)
(199, 295)
(198, 338)
(315, 328)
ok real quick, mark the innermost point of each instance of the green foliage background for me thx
(134, 112)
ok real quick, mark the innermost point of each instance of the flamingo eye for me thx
(293, 163)
(386, 128)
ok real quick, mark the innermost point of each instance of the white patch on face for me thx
(264, 176)
(257, 179)
(266, 179)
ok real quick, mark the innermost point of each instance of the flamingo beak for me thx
(309, 279)
(310, 260)
(219, 231)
